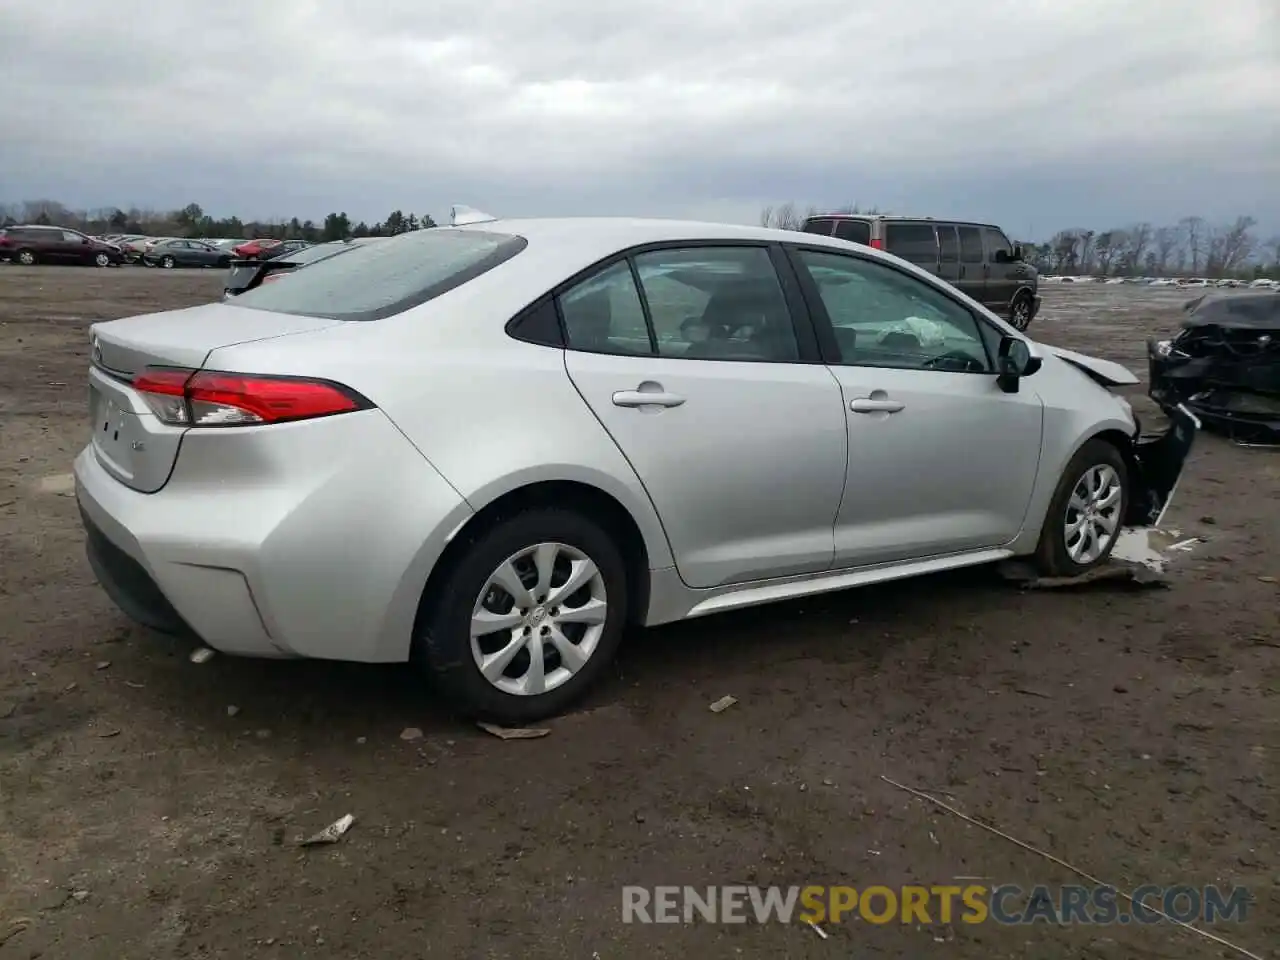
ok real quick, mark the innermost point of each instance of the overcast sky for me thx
(1038, 114)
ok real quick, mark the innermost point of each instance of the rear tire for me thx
(26, 257)
(1086, 514)
(577, 634)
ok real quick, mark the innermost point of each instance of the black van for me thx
(976, 258)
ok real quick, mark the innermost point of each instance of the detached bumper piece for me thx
(1158, 462)
(1224, 366)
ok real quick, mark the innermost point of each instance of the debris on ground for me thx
(723, 704)
(330, 834)
(232, 710)
(816, 929)
(109, 732)
(410, 733)
(7, 710)
(1134, 575)
(201, 655)
(12, 929)
(102, 664)
(514, 733)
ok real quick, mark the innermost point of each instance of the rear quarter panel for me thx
(490, 413)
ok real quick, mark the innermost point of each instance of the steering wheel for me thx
(955, 361)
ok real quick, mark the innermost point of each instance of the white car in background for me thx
(489, 448)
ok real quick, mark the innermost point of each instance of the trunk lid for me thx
(130, 442)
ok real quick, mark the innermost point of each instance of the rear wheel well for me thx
(591, 502)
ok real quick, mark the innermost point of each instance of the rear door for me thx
(914, 241)
(948, 252)
(973, 275)
(701, 364)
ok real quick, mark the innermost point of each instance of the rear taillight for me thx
(877, 244)
(5, 241)
(207, 398)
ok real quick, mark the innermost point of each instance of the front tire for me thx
(1086, 513)
(528, 618)
(167, 262)
(102, 260)
(26, 257)
(1020, 311)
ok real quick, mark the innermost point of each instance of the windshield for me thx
(372, 281)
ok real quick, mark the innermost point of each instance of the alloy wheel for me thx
(1093, 514)
(538, 619)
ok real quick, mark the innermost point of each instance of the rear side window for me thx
(859, 231)
(379, 280)
(948, 243)
(818, 225)
(912, 241)
(970, 244)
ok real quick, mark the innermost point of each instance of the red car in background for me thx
(254, 248)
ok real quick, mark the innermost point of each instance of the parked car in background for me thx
(248, 274)
(285, 248)
(976, 258)
(31, 244)
(185, 253)
(133, 246)
(490, 448)
(258, 249)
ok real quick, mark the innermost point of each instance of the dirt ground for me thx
(150, 806)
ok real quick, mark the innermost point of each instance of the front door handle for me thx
(867, 405)
(643, 398)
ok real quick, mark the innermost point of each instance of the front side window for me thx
(380, 280)
(71, 237)
(999, 248)
(912, 241)
(884, 318)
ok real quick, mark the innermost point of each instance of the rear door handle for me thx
(642, 398)
(867, 405)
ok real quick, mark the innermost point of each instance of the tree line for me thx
(1191, 247)
(192, 221)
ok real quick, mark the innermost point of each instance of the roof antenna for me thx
(460, 215)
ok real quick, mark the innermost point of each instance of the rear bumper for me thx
(267, 544)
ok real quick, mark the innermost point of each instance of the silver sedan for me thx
(491, 447)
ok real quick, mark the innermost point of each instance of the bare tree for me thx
(1166, 245)
(1236, 244)
(1137, 241)
(1110, 247)
(787, 216)
(1193, 239)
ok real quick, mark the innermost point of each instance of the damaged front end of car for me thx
(1156, 462)
(1224, 366)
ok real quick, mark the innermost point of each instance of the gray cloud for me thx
(1038, 114)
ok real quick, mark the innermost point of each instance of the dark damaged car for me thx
(1225, 365)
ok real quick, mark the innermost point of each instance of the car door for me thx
(202, 255)
(973, 273)
(1002, 271)
(941, 460)
(72, 247)
(696, 362)
(948, 253)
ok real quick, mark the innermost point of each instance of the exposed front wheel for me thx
(26, 257)
(1086, 513)
(167, 262)
(1020, 311)
(102, 260)
(528, 618)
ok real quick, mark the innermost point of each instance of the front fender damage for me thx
(1156, 464)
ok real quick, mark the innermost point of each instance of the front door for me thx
(714, 395)
(1003, 272)
(941, 460)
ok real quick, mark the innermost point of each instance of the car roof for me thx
(568, 245)
(890, 216)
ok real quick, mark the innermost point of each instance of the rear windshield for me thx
(378, 280)
(859, 231)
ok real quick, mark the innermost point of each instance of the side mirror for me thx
(1013, 362)
(1002, 256)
